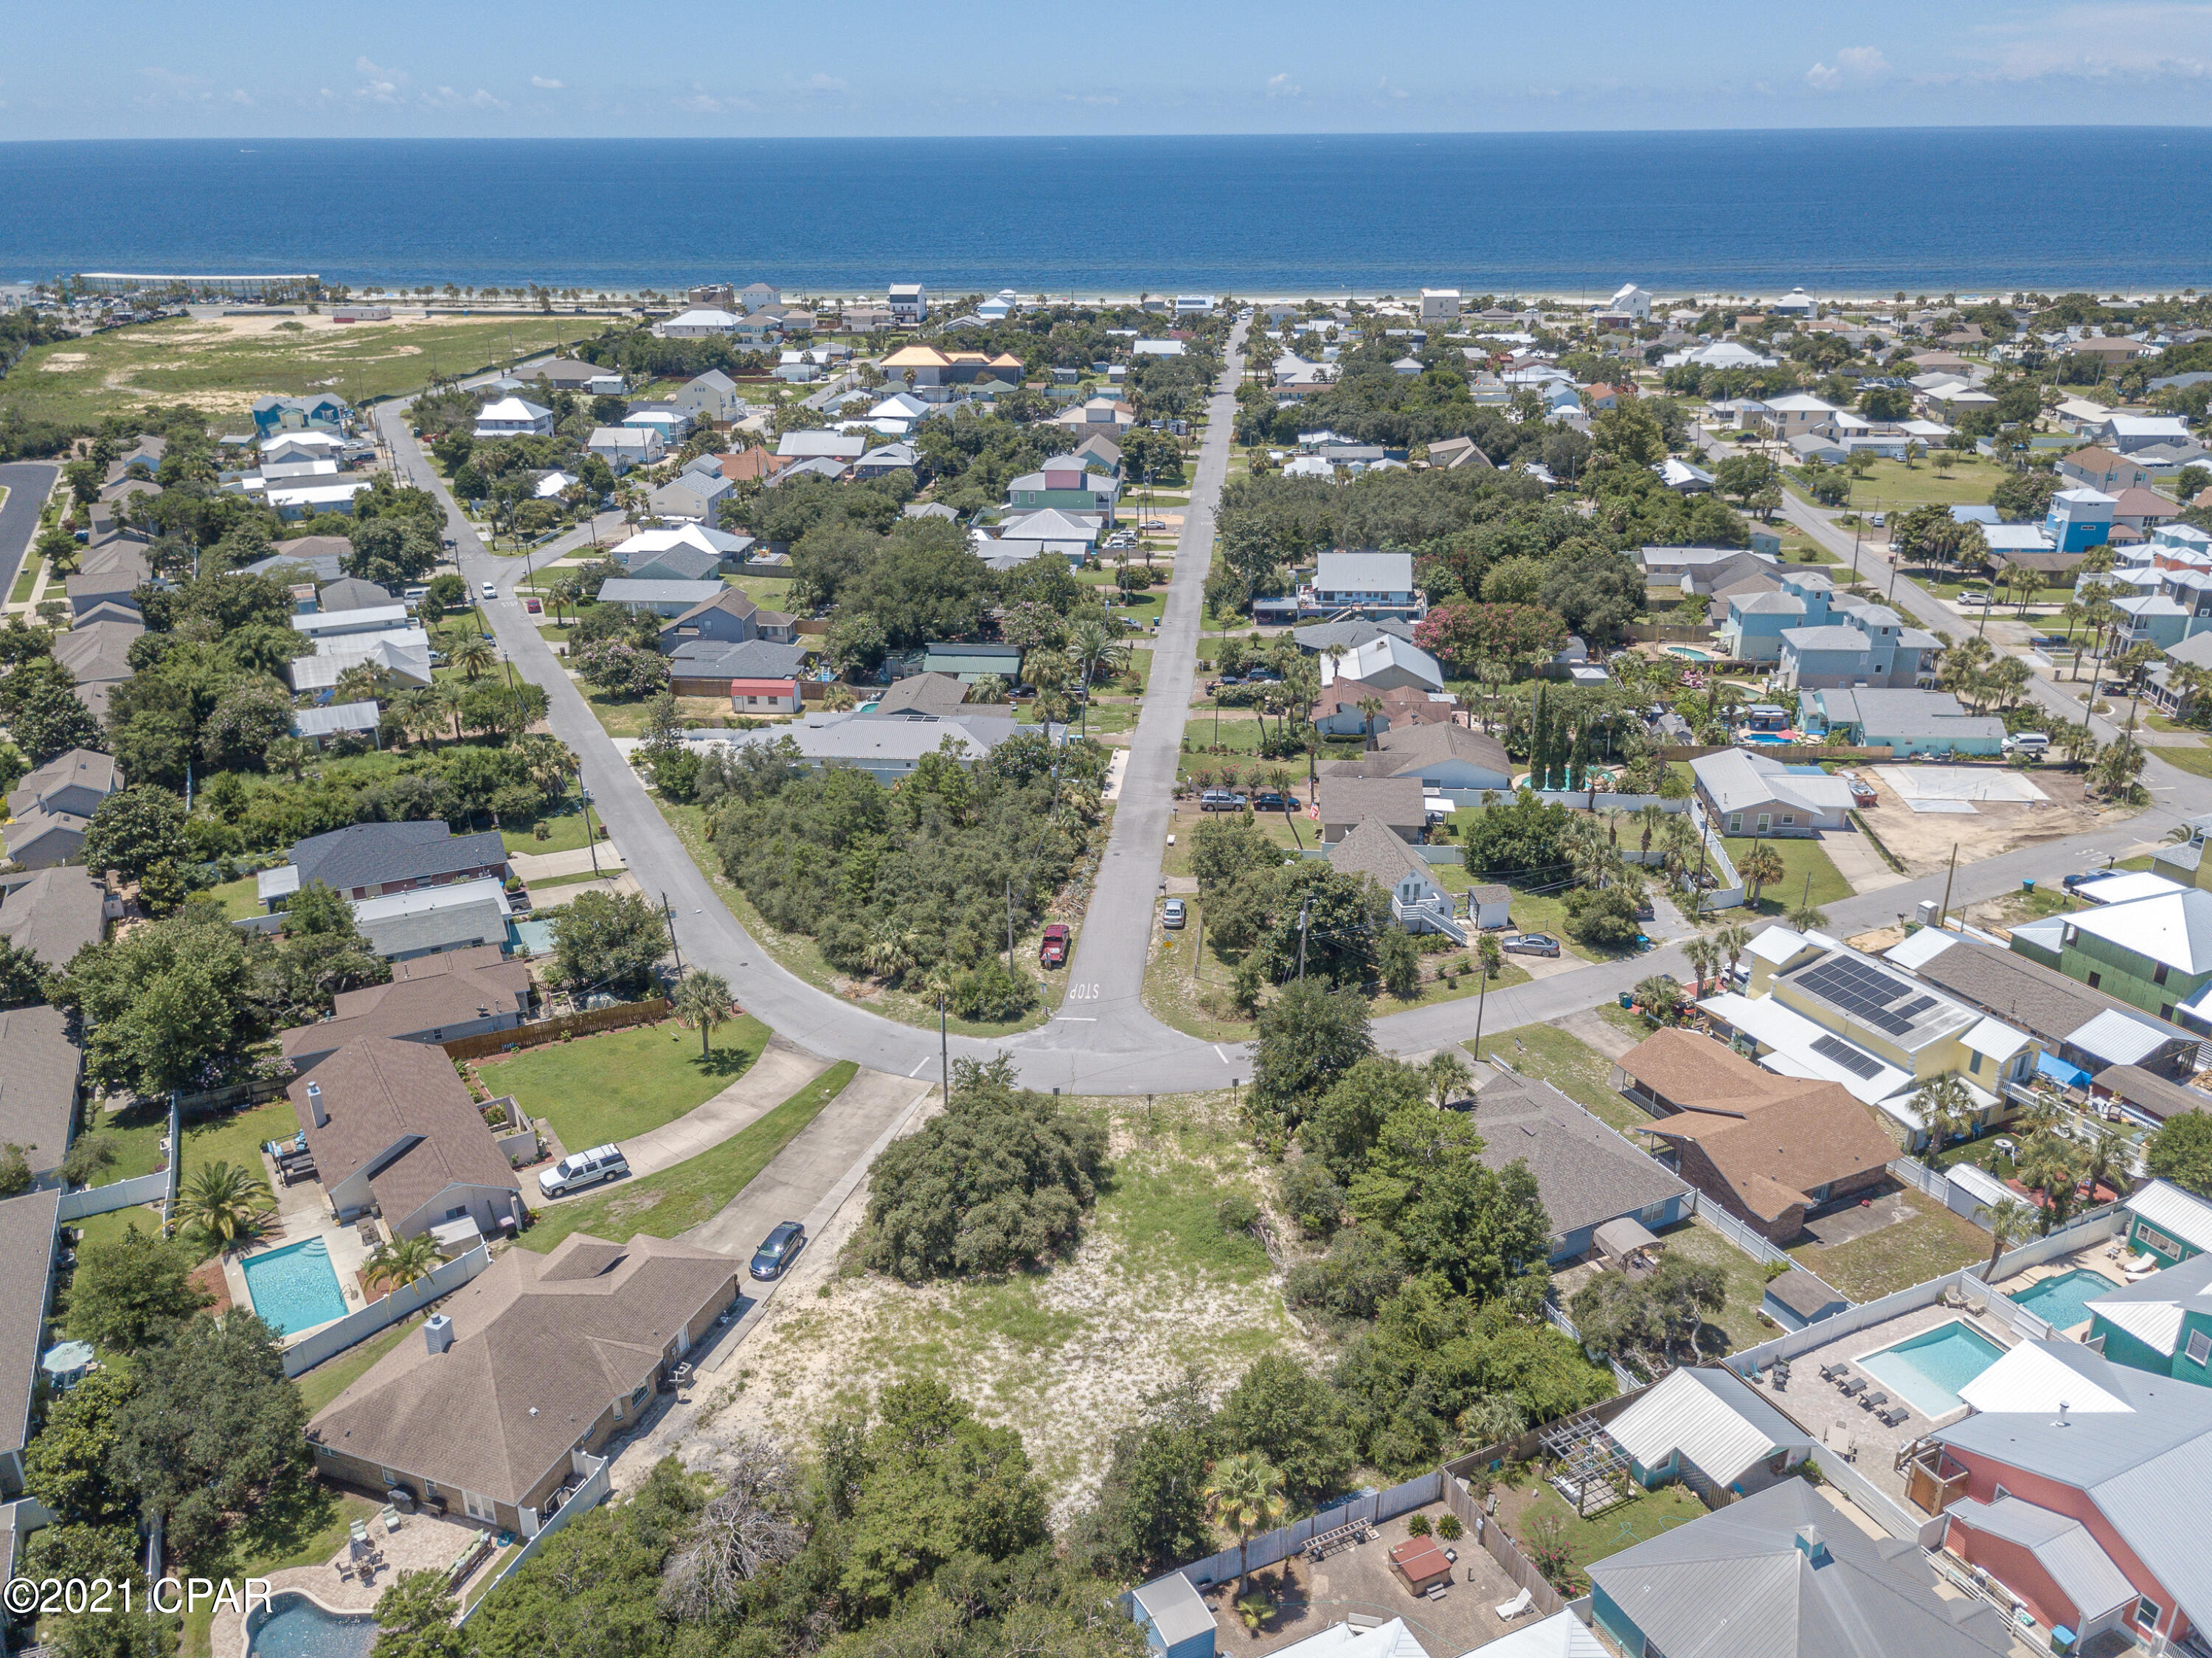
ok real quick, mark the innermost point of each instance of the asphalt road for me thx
(28, 483)
(1108, 1043)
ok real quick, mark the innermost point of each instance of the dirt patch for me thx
(1924, 841)
(62, 362)
(209, 1276)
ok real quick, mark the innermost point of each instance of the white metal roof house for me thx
(1363, 584)
(1708, 1420)
(461, 916)
(511, 417)
(624, 447)
(663, 598)
(1751, 794)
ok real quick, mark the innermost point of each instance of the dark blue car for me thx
(778, 1250)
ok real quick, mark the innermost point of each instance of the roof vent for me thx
(1811, 1545)
(438, 1333)
(315, 1104)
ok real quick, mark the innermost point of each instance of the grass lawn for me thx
(1896, 486)
(1800, 859)
(545, 883)
(238, 897)
(1634, 1521)
(235, 1136)
(221, 364)
(26, 579)
(2195, 762)
(676, 1200)
(626, 716)
(1570, 1065)
(1747, 1283)
(304, 1533)
(137, 1136)
(616, 1084)
(319, 1386)
(1932, 1243)
(564, 831)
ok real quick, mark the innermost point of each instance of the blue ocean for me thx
(1928, 211)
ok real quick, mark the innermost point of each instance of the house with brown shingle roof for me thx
(393, 1127)
(1771, 1150)
(1419, 902)
(1586, 1174)
(1438, 756)
(431, 999)
(484, 1411)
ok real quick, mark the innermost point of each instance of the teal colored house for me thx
(2154, 952)
(2161, 1323)
(2167, 1222)
(1068, 482)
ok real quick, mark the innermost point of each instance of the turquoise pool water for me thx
(293, 1626)
(536, 936)
(1689, 653)
(294, 1288)
(2064, 1301)
(1927, 1370)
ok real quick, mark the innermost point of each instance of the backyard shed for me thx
(1708, 1423)
(1173, 1617)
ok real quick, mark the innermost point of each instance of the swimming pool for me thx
(1770, 738)
(294, 1288)
(293, 1626)
(536, 936)
(2062, 1301)
(1927, 1370)
(1689, 653)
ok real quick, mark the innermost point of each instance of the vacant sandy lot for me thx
(1066, 1355)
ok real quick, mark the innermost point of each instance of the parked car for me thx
(778, 1250)
(1877, 519)
(1172, 913)
(1973, 601)
(1533, 943)
(1053, 949)
(580, 1170)
(2033, 744)
(1268, 800)
(1221, 800)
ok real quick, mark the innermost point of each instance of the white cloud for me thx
(1853, 65)
(1281, 85)
(382, 86)
(2124, 42)
(828, 83)
(238, 95)
(482, 100)
(546, 83)
(702, 102)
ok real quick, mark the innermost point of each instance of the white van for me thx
(582, 1168)
(2033, 744)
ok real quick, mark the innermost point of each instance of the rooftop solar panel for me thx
(1858, 1064)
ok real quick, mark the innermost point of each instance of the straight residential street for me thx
(29, 483)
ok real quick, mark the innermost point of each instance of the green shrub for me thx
(1238, 1213)
(1449, 1528)
(1417, 1526)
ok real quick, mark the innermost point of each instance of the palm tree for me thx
(2010, 1222)
(1446, 1076)
(987, 689)
(1369, 707)
(1945, 1110)
(1761, 867)
(891, 949)
(1659, 996)
(290, 755)
(475, 658)
(1647, 820)
(839, 698)
(550, 762)
(2050, 1164)
(222, 1204)
(704, 999)
(1734, 939)
(2109, 1150)
(399, 1262)
(1807, 918)
(1245, 1493)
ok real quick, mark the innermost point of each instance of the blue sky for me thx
(488, 68)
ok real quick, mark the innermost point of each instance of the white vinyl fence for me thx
(121, 1194)
(598, 1484)
(312, 1349)
(1759, 1249)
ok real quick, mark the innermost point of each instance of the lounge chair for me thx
(1834, 1372)
(1515, 1607)
(1838, 1438)
(1854, 1388)
(360, 1530)
(1892, 1416)
(1977, 1307)
(1873, 1401)
(389, 1515)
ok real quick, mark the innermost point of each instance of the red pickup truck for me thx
(1053, 952)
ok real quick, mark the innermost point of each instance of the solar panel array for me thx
(1858, 1064)
(1864, 992)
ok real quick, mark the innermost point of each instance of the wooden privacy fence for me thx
(1484, 1530)
(1368, 1508)
(617, 1018)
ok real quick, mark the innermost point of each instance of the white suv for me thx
(582, 1168)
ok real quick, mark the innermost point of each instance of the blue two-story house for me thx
(1753, 628)
(1861, 645)
(2079, 520)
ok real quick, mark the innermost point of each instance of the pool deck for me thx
(1816, 1407)
(424, 1542)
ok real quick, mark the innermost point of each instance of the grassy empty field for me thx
(221, 364)
(1933, 1241)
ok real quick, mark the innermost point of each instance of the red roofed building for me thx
(765, 695)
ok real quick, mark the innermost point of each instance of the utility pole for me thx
(669, 912)
(1481, 1001)
(1304, 909)
(944, 1046)
(590, 840)
(1010, 927)
(1953, 870)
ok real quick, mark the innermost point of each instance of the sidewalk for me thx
(780, 1071)
(577, 860)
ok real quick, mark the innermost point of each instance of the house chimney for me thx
(315, 1104)
(1811, 1545)
(438, 1333)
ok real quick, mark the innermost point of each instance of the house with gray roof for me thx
(1586, 1174)
(705, 667)
(97, 653)
(1751, 794)
(429, 998)
(321, 557)
(333, 720)
(662, 598)
(678, 563)
(38, 1106)
(727, 618)
(1782, 1572)
(1703, 1426)
(1371, 585)
(1345, 801)
(464, 915)
(1909, 722)
(53, 913)
(112, 575)
(1325, 636)
(368, 860)
(691, 495)
(2132, 1468)
(28, 1226)
(51, 809)
(1439, 756)
(922, 694)
(711, 396)
(351, 593)
(887, 747)
(1419, 902)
